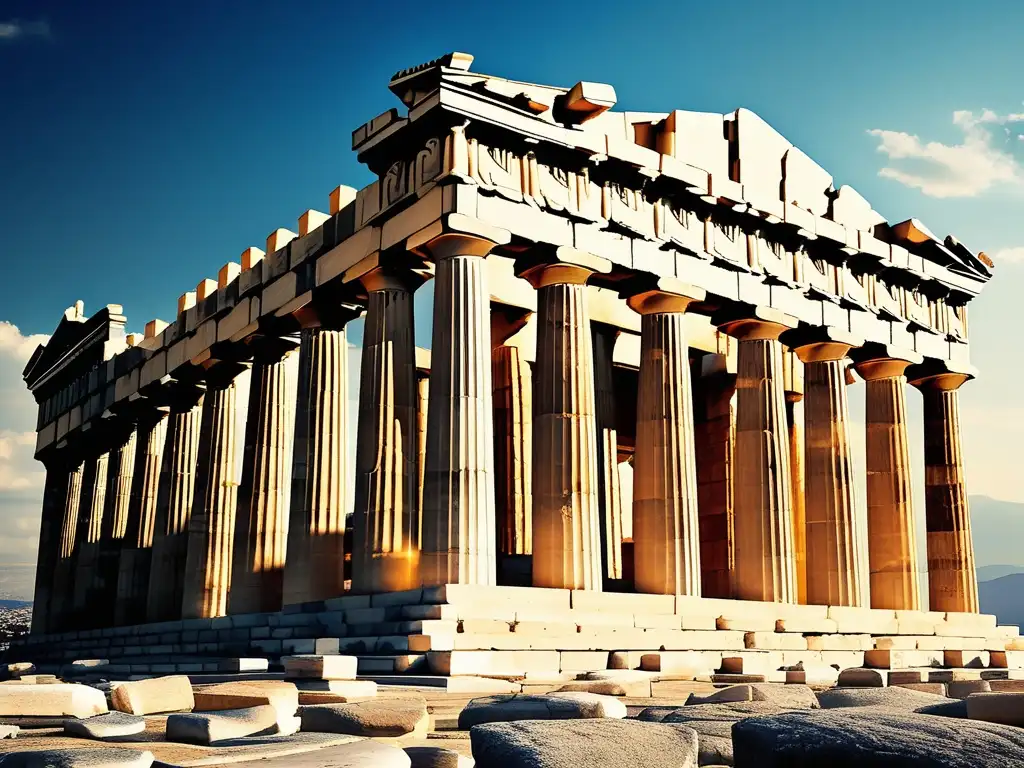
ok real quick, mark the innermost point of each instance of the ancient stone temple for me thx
(686, 293)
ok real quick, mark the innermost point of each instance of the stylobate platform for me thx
(526, 632)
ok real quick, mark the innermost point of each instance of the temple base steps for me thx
(519, 633)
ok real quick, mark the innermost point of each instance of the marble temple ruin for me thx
(685, 292)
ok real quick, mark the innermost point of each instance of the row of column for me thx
(198, 527)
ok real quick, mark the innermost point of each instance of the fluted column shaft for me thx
(666, 541)
(609, 498)
(96, 585)
(513, 450)
(135, 559)
(51, 522)
(174, 506)
(86, 548)
(62, 598)
(261, 524)
(566, 513)
(952, 579)
(763, 520)
(892, 532)
(459, 540)
(386, 538)
(315, 569)
(211, 528)
(833, 556)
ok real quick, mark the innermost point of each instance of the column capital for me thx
(456, 234)
(391, 279)
(940, 375)
(563, 265)
(222, 374)
(327, 313)
(271, 347)
(821, 343)
(747, 322)
(665, 294)
(874, 362)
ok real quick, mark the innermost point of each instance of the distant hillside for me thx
(17, 582)
(990, 572)
(1004, 597)
(998, 529)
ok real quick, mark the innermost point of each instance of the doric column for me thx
(211, 528)
(833, 550)
(666, 540)
(715, 433)
(566, 514)
(174, 506)
(892, 529)
(136, 555)
(386, 538)
(54, 493)
(320, 489)
(96, 582)
(87, 534)
(513, 449)
(609, 499)
(952, 579)
(62, 596)
(763, 519)
(459, 541)
(261, 522)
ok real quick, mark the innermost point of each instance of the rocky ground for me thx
(321, 716)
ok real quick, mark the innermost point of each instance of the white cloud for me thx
(1008, 256)
(15, 29)
(21, 476)
(966, 169)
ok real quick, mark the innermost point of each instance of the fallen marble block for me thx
(713, 724)
(896, 698)
(845, 738)
(387, 718)
(320, 667)
(281, 695)
(106, 726)
(344, 690)
(209, 728)
(51, 700)
(781, 694)
(552, 706)
(158, 694)
(437, 757)
(594, 743)
(1003, 708)
(113, 757)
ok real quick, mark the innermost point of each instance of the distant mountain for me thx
(1004, 597)
(998, 529)
(991, 572)
(6, 605)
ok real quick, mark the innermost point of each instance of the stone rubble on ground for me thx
(112, 757)
(155, 695)
(384, 718)
(210, 727)
(105, 726)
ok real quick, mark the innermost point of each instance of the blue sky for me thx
(142, 145)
